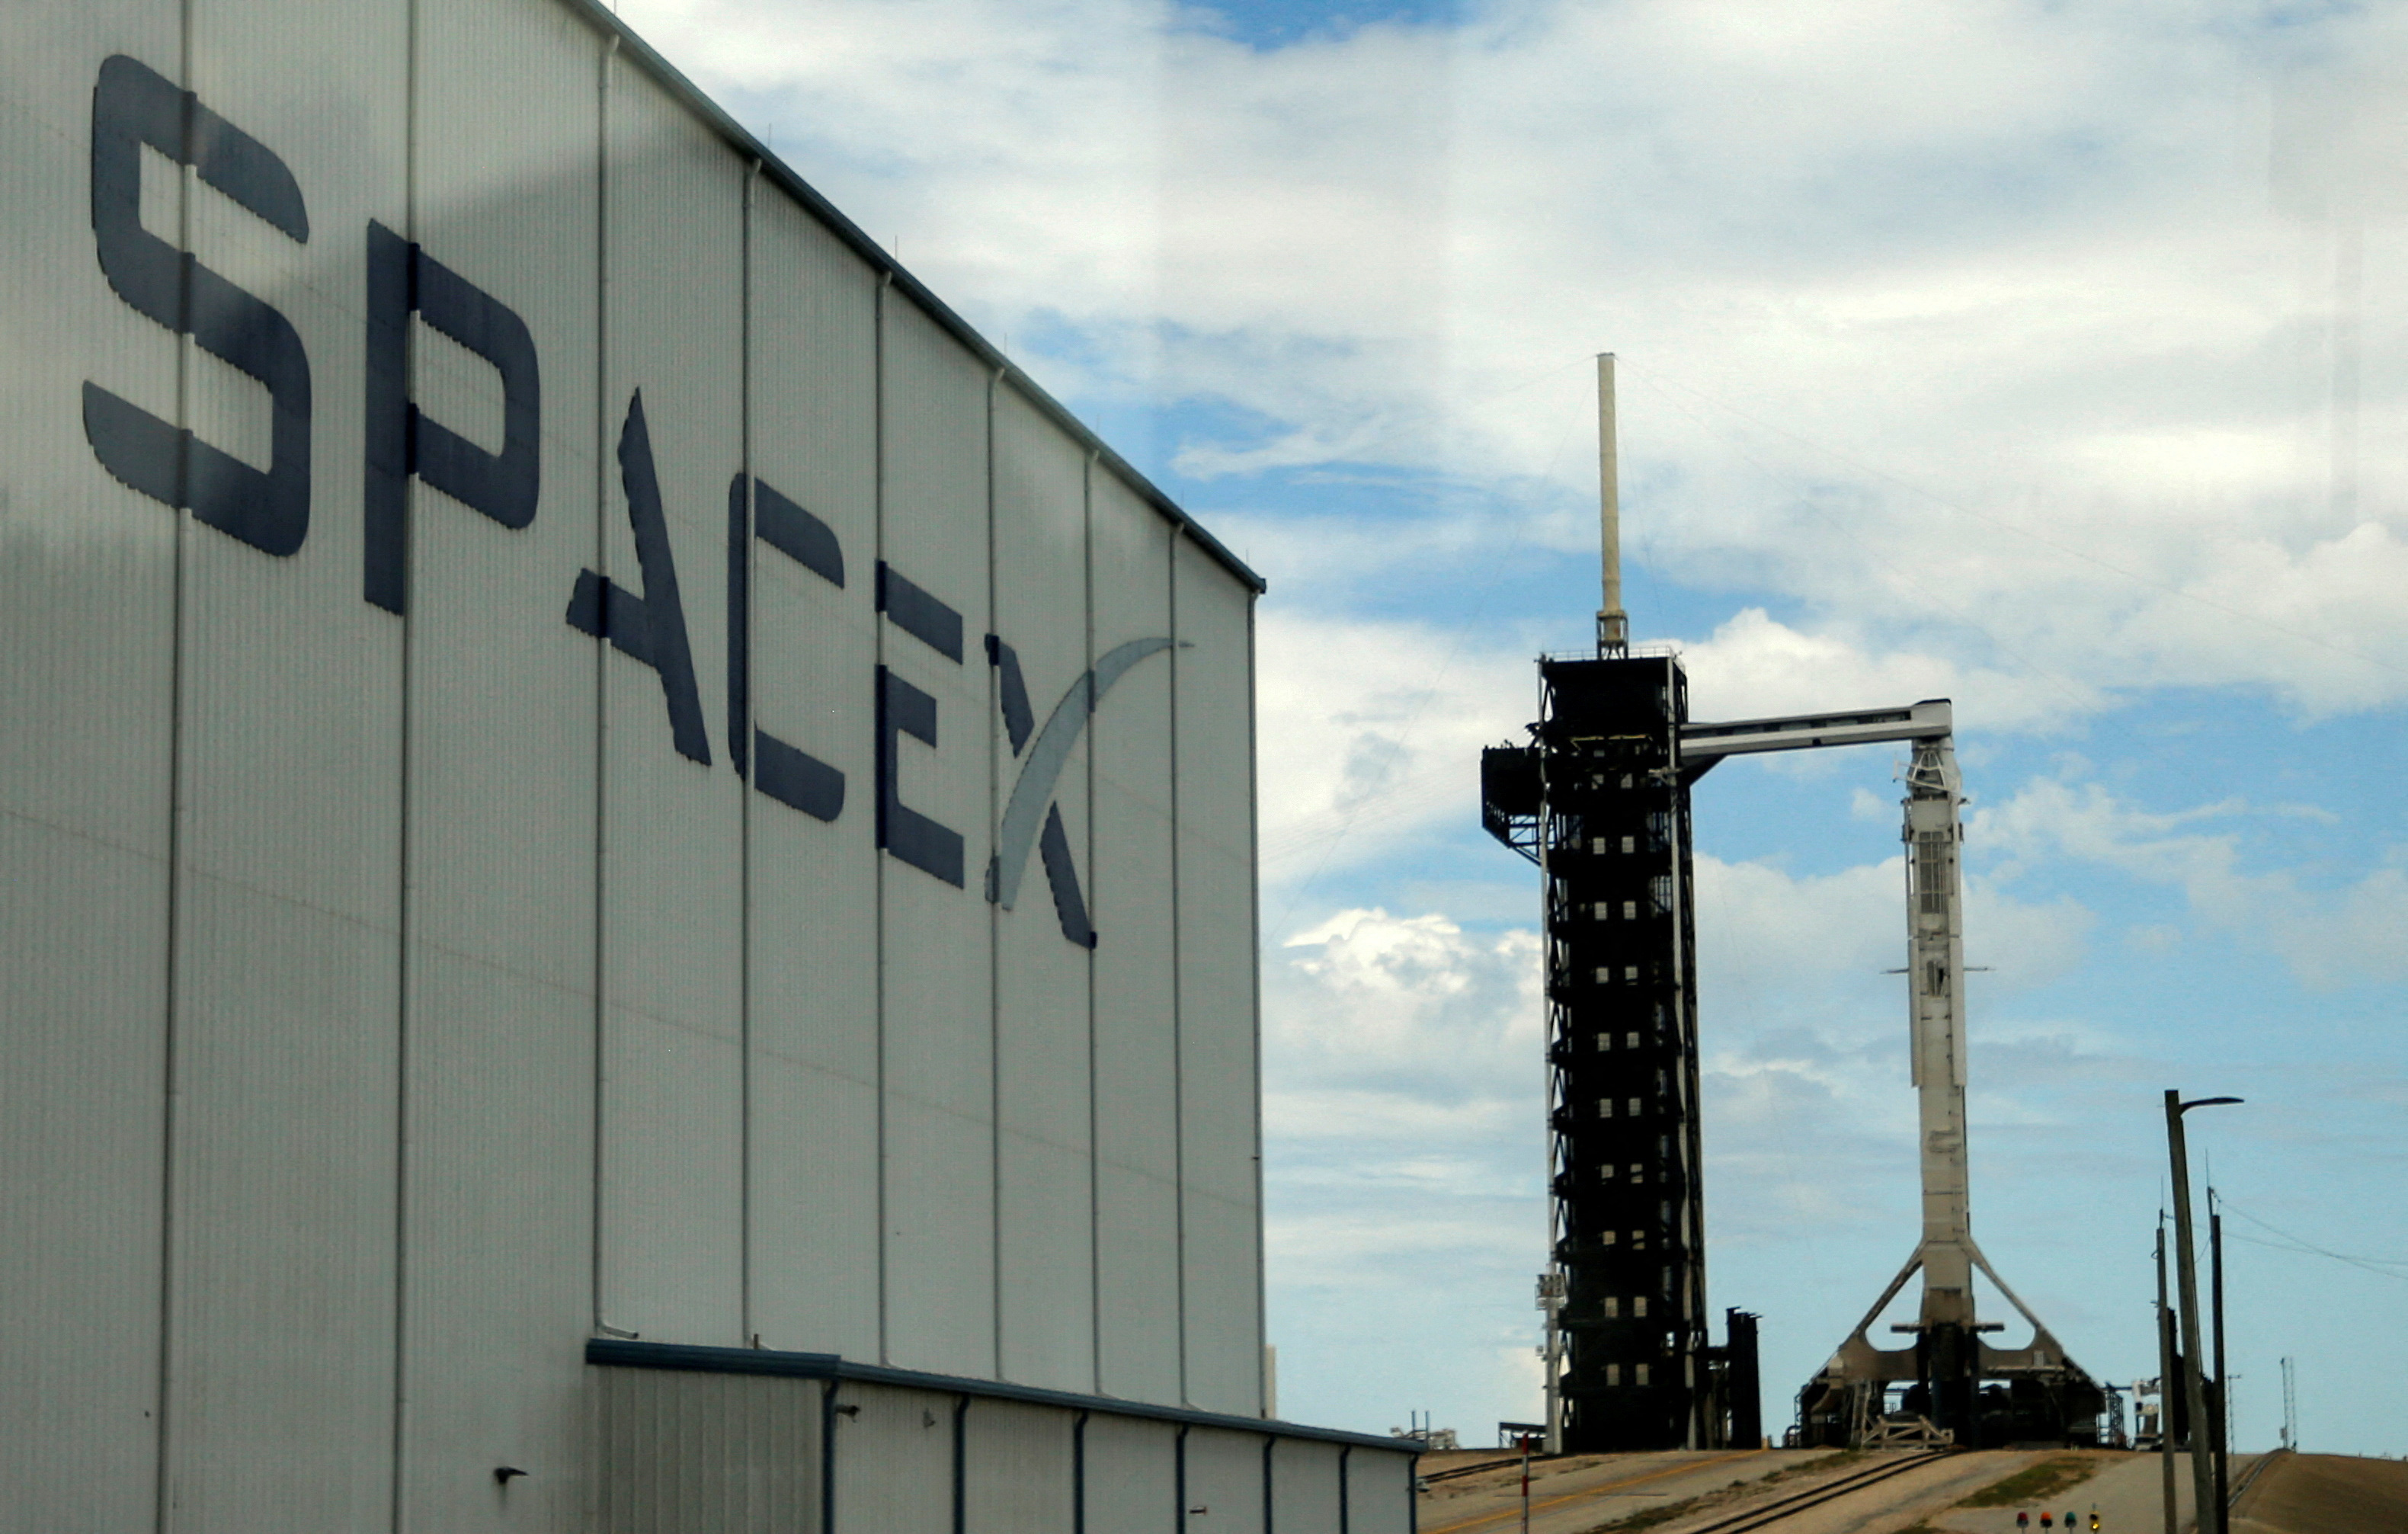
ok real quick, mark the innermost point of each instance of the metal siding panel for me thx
(1136, 1061)
(671, 1208)
(282, 1165)
(80, 1133)
(499, 1231)
(1044, 1215)
(1017, 1470)
(282, 1320)
(86, 606)
(936, 951)
(1219, 1159)
(502, 782)
(1304, 1487)
(1379, 1493)
(708, 1453)
(1224, 1475)
(1224, 1334)
(813, 947)
(1132, 1477)
(893, 1460)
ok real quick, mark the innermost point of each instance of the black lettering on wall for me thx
(934, 849)
(403, 280)
(791, 777)
(1019, 720)
(1031, 820)
(649, 628)
(918, 614)
(1054, 842)
(133, 105)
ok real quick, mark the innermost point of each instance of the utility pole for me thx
(2166, 1386)
(2290, 1408)
(2202, 1472)
(2223, 1379)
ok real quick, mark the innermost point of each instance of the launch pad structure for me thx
(1600, 799)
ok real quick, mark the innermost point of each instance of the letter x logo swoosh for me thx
(1025, 813)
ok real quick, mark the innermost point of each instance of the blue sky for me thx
(2003, 351)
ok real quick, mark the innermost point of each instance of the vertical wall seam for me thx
(1079, 1470)
(163, 1441)
(1345, 1452)
(961, 1465)
(1178, 1012)
(1254, 973)
(741, 752)
(1271, 1447)
(994, 938)
(827, 1458)
(1179, 1482)
(601, 673)
(1094, 919)
(877, 858)
(397, 1489)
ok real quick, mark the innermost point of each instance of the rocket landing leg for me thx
(1950, 1387)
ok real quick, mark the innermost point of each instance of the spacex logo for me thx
(1040, 767)
(269, 508)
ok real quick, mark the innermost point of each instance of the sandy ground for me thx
(1897, 1503)
(1576, 1494)
(2127, 1494)
(2325, 1493)
(2300, 1493)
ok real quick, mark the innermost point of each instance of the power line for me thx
(2386, 1267)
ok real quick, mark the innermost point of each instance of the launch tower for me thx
(1599, 800)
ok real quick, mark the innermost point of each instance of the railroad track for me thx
(1764, 1515)
(2249, 1478)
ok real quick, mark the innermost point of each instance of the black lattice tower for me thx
(1599, 802)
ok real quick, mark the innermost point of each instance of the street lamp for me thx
(2211, 1518)
(1553, 1294)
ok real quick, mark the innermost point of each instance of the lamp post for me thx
(2166, 1385)
(2202, 1471)
(2223, 1379)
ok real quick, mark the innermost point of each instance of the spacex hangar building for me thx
(626, 863)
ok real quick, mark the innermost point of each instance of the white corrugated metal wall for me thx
(88, 616)
(693, 1451)
(500, 1039)
(397, 995)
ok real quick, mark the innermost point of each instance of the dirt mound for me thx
(2325, 1493)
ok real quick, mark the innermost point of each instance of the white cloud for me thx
(1755, 666)
(1373, 731)
(1982, 329)
(1401, 1026)
(2327, 934)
